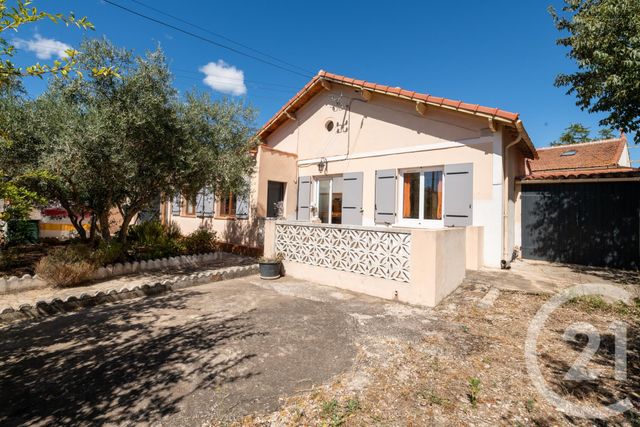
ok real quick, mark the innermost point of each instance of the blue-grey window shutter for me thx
(200, 203)
(352, 198)
(385, 210)
(458, 195)
(242, 206)
(209, 202)
(175, 205)
(304, 198)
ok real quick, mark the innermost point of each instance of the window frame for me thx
(231, 206)
(186, 203)
(420, 222)
(316, 193)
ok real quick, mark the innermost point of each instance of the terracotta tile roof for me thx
(619, 172)
(589, 155)
(314, 86)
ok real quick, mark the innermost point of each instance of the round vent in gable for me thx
(329, 125)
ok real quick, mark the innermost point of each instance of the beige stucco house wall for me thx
(349, 129)
(386, 132)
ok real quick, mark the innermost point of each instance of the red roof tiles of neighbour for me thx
(620, 172)
(589, 155)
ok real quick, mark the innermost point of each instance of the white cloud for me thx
(224, 78)
(43, 48)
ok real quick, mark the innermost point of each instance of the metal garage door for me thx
(592, 223)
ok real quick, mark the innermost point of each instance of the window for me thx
(275, 199)
(422, 196)
(227, 203)
(189, 206)
(329, 199)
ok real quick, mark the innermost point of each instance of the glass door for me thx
(329, 199)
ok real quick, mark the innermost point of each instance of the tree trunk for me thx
(74, 221)
(104, 225)
(92, 230)
(126, 220)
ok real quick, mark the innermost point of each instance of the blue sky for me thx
(495, 53)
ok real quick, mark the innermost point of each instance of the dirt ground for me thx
(289, 352)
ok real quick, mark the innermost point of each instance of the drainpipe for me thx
(505, 263)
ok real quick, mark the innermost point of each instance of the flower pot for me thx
(270, 270)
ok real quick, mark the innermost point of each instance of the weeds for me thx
(595, 303)
(336, 414)
(474, 390)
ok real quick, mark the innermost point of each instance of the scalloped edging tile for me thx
(71, 303)
(13, 284)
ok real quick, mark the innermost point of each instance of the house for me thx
(580, 204)
(351, 152)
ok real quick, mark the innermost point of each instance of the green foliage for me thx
(475, 386)
(603, 37)
(21, 231)
(68, 266)
(105, 142)
(577, 133)
(201, 241)
(111, 252)
(12, 18)
(151, 240)
(337, 414)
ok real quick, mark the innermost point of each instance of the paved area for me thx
(216, 351)
(544, 277)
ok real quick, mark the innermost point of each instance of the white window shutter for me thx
(242, 206)
(385, 209)
(176, 204)
(200, 203)
(304, 198)
(458, 198)
(209, 203)
(352, 198)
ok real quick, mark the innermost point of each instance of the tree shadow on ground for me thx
(118, 364)
(605, 389)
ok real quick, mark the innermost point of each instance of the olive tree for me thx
(121, 141)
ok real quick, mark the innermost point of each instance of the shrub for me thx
(201, 241)
(111, 252)
(151, 240)
(68, 266)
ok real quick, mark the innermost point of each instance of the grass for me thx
(597, 304)
(336, 414)
(474, 390)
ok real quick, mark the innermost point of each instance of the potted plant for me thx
(270, 268)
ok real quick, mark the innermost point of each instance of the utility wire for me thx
(177, 18)
(205, 39)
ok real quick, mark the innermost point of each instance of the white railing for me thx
(371, 251)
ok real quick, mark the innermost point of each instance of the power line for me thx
(220, 80)
(182, 70)
(206, 30)
(205, 39)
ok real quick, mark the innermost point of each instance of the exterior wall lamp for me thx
(322, 166)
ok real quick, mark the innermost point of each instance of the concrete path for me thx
(543, 277)
(215, 351)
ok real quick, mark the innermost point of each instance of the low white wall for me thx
(437, 261)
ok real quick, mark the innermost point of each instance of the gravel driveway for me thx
(217, 351)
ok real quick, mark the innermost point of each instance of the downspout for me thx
(505, 263)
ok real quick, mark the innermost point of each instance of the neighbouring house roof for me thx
(315, 85)
(595, 159)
